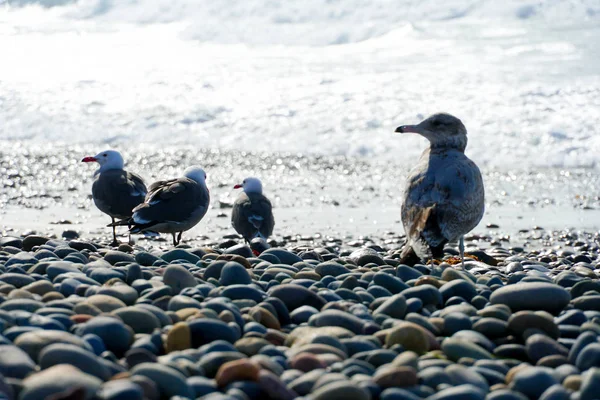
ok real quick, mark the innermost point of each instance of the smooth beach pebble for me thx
(532, 296)
(331, 322)
(410, 336)
(340, 391)
(62, 378)
(14, 362)
(238, 370)
(178, 278)
(169, 381)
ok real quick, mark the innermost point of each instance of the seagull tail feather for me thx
(258, 234)
(122, 222)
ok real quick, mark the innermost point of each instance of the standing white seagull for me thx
(115, 191)
(252, 214)
(444, 194)
(172, 206)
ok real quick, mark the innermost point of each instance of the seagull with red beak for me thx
(252, 215)
(444, 194)
(115, 191)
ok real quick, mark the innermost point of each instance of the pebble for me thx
(237, 370)
(394, 307)
(539, 346)
(318, 323)
(138, 319)
(274, 387)
(338, 318)
(35, 341)
(532, 381)
(590, 384)
(521, 321)
(588, 357)
(178, 338)
(456, 348)
(105, 303)
(121, 389)
(460, 392)
(396, 377)
(555, 392)
(60, 378)
(532, 296)
(14, 362)
(178, 278)
(295, 296)
(169, 381)
(234, 273)
(340, 390)
(116, 336)
(180, 254)
(410, 336)
(86, 361)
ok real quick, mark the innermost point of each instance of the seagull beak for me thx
(89, 159)
(238, 186)
(408, 128)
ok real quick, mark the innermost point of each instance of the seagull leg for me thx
(174, 239)
(114, 242)
(129, 227)
(179, 237)
(461, 249)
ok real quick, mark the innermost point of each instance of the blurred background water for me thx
(305, 94)
(306, 76)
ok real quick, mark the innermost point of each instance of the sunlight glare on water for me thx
(312, 77)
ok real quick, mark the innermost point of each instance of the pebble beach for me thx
(312, 317)
(306, 96)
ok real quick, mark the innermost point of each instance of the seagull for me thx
(252, 215)
(172, 206)
(444, 194)
(115, 191)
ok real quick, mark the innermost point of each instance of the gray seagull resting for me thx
(252, 214)
(444, 194)
(172, 206)
(115, 191)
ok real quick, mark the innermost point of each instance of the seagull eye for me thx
(104, 155)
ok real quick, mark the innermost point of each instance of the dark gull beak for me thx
(89, 159)
(238, 186)
(408, 128)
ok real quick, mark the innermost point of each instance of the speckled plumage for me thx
(444, 195)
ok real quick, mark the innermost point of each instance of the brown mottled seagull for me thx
(252, 214)
(172, 206)
(115, 191)
(444, 194)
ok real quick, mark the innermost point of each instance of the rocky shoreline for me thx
(319, 319)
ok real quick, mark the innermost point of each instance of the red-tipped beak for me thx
(238, 186)
(89, 159)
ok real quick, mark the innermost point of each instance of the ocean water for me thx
(324, 77)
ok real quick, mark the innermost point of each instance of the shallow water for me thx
(313, 77)
(336, 196)
(306, 96)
